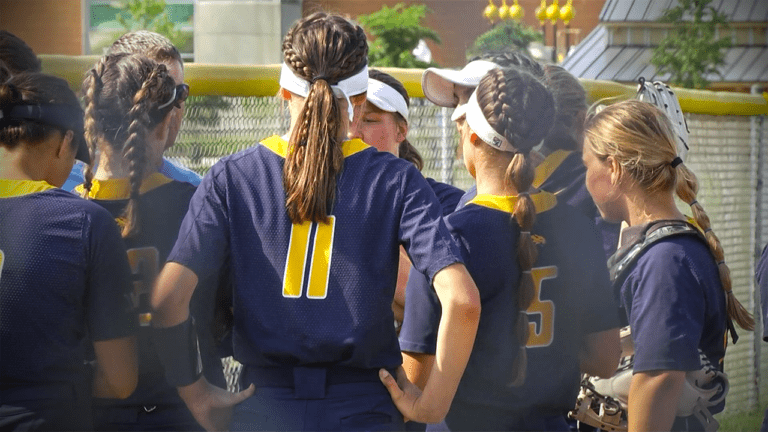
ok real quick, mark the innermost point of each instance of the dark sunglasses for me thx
(180, 94)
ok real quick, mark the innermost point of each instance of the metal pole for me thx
(554, 42)
(446, 147)
(756, 135)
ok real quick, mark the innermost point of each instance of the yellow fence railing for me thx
(262, 80)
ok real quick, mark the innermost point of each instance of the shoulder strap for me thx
(619, 262)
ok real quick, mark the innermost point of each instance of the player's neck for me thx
(648, 207)
(490, 174)
(115, 166)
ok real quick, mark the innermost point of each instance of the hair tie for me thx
(719, 263)
(676, 161)
(320, 77)
(527, 272)
(708, 230)
(692, 203)
(525, 232)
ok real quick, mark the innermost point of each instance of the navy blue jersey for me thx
(761, 275)
(64, 281)
(314, 293)
(674, 303)
(448, 195)
(563, 173)
(573, 298)
(162, 205)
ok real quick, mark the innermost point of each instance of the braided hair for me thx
(322, 49)
(122, 96)
(518, 106)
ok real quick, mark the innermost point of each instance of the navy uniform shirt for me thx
(675, 304)
(448, 195)
(563, 173)
(162, 205)
(64, 281)
(314, 293)
(573, 298)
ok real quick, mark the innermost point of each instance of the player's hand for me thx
(406, 395)
(210, 405)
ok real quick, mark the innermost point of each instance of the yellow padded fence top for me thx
(262, 80)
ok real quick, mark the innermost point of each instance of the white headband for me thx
(386, 98)
(479, 125)
(172, 100)
(354, 85)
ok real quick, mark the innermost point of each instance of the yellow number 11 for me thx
(311, 244)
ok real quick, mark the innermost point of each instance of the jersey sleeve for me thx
(109, 306)
(203, 238)
(421, 317)
(422, 229)
(666, 310)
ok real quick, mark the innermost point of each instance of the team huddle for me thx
(564, 291)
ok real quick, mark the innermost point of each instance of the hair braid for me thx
(519, 107)
(687, 187)
(92, 86)
(329, 47)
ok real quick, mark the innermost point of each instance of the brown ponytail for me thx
(323, 49)
(519, 107)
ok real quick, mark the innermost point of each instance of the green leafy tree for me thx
(506, 36)
(396, 32)
(151, 15)
(691, 51)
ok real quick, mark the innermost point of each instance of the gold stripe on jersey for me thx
(117, 189)
(279, 146)
(542, 200)
(321, 260)
(548, 166)
(13, 188)
(293, 280)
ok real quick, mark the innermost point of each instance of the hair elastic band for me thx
(720, 263)
(318, 78)
(527, 272)
(525, 232)
(676, 161)
(707, 230)
(692, 203)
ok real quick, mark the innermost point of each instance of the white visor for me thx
(438, 84)
(479, 125)
(386, 98)
(352, 86)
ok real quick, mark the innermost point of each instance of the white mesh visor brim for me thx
(386, 98)
(438, 84)
(352, 86)
(480, 126)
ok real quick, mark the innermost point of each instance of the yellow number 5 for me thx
(313, 242)
(545, 308)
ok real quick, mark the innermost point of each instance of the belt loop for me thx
(309, 382)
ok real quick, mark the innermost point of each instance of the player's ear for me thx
(64, 147)
(615, 169)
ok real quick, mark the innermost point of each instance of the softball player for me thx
(677, 294)
(524, 266)
(64, 277)
(131, 103)
(561, 172)
(312, 225)
(158, 48)
(384, 125)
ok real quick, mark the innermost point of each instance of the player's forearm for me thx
(172, 294)
(600, 353)
(460, 302)
(653, 400)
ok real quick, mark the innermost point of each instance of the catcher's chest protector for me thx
(603, 403)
